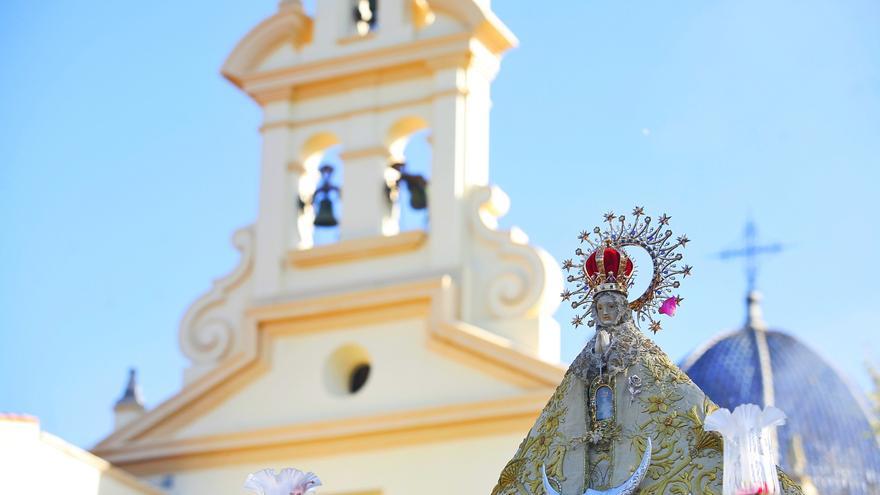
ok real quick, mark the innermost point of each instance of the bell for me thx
(390, 195)
(325, 217)
(418, 193)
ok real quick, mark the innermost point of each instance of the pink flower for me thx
(668, 307)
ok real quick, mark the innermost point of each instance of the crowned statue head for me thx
(612, 270)
(610, 309)
(605, 273)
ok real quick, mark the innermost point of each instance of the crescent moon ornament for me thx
(628, 487)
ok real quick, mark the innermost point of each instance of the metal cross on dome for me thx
(750, 251)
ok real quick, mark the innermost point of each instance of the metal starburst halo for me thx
(618, 233)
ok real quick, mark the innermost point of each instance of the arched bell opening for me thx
(365, 15)
(319, 195)
(410, 152)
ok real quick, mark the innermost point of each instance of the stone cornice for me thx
(355, 154)
(439, 423)
(357, 249)
(353, 64)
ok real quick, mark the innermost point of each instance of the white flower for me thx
(749, 460)
(288, 482)
(746, 419)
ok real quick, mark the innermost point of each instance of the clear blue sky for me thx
(126, 161)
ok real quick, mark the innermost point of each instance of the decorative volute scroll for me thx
(207, 330)
(520, 281)
(516, 287)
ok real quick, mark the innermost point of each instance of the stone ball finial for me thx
(290, 4)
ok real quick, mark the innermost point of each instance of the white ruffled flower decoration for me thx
(288, 482)
(749, 457)
(745, 418)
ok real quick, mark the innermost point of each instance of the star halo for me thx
(619, 233)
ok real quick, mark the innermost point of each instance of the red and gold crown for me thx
(607, 267)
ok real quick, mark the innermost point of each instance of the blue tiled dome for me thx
(828, 435)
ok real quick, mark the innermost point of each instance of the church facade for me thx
(388, 361)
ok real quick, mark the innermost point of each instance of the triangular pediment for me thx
(424, 371)
(308, 380)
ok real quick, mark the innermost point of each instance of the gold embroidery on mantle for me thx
(670, 409)
(543, 445)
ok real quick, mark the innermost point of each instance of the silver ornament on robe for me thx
(603, 342)
(628, 487)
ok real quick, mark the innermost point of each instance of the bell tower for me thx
(341, 94)
(363, 76)
(357, 80)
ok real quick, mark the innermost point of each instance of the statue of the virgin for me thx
(625, 418)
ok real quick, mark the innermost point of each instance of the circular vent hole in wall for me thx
(347, 370)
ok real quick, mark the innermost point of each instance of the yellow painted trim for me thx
(501, 352)
(357, 249)
(19, 418)
(355, 38)
(337, 320)
(356, 64)
(495, 36)
(372, 151)
(208, 401)
(291, 24)
(457, 60)
(296, 167)
(384, 57)
(292, 124)
(323, 438)
(275, 94)
(428, 290)
(377, 77)
(476, 361)
(288, 24)
(179, 403)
